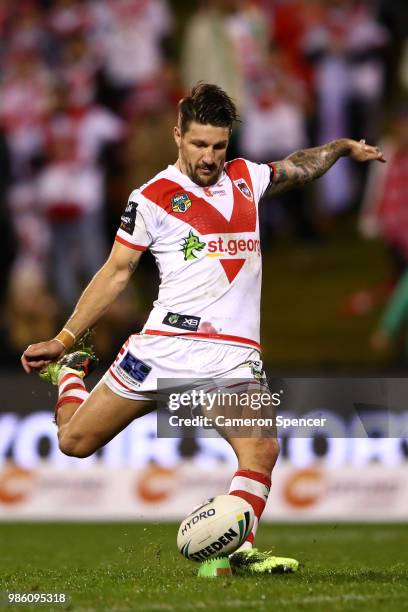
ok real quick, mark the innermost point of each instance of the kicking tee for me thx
(205, 241)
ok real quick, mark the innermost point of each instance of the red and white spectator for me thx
(68, 17)
(385, 213)
(128, 36)
(24, 100)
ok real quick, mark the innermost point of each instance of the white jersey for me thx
(206, 244)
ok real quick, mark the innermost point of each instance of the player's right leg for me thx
(84, 428)
(87, 421)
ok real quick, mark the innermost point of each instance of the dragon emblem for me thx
(190, 244)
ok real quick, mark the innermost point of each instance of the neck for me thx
(180, 166)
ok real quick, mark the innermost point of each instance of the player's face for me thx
(202, 151)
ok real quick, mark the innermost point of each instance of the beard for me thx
(207, 178)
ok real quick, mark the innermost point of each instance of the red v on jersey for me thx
(232, 267)
(206, 219)
(202, 216)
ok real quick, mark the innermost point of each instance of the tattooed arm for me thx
(305, 166)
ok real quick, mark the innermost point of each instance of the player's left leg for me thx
(237, 374)
(255, 444)
(252, 482)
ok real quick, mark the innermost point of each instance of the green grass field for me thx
(130, 567)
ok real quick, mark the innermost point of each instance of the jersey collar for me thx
(188, 183)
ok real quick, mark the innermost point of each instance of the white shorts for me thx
(144, 359)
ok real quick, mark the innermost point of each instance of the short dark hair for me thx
(207, 104)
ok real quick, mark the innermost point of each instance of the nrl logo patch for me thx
(244, 189)
(180, 203)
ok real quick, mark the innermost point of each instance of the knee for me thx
(76, 446)
(259, 454)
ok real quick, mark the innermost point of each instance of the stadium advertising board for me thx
(318, 493)
(350, 436)
(139, 475)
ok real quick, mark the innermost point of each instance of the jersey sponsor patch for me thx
(221, 246)
(135, 368)
(128, 219)
(180, 203)
(244, 189)
(182, 321)
(210, 193)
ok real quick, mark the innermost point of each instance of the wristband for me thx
(66, 337)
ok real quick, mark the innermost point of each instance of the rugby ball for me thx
(216, 528)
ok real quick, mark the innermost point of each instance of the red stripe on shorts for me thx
(120, 382)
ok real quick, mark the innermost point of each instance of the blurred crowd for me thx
(88, 93)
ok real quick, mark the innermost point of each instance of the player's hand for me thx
(37, 356)
(362, 152)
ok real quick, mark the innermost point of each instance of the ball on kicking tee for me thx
(216, 528)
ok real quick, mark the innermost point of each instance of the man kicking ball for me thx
(199, 218)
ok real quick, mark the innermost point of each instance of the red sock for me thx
(254, 487)
(71, 389)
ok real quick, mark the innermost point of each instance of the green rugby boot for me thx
(252, 561)
(81, 360)
(215, 568)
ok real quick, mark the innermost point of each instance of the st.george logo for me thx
(180, 203)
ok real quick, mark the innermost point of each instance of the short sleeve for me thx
(261, 176)
(138, 224)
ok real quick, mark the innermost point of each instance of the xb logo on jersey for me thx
(180, 203)
(190, 244)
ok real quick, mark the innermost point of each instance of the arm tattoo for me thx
(305, 166)
(132, 266)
